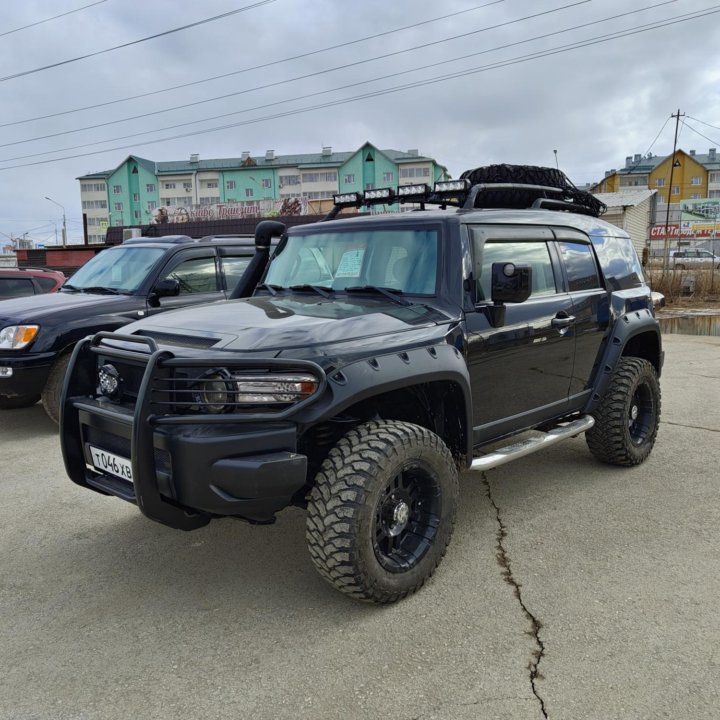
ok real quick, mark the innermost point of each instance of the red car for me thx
(18, 282)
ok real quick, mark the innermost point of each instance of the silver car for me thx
(689, 258)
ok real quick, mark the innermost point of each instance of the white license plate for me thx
(106, 462)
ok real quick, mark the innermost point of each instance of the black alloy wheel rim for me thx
(641, 414)
(406, 520)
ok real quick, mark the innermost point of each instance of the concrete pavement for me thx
(610, 576)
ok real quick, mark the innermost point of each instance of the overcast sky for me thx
(593, 104)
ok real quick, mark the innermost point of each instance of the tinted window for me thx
(46, 283)
(233, 269)
(534, 253)
(124, 268)
(580, 266)
(195, 275)
(16, 287)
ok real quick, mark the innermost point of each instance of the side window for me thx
(534, 253)
(46, 284)
(233, 269)
(16, 287)
(580, 266)
(195, 275)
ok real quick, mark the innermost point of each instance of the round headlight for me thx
(214, 392)
(109, 380)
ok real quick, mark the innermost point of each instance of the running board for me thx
(527, 447)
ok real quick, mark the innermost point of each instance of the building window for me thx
(660, 182)
(289, 180)
(117, 189)
(230, 184)
(714, 194)
(349, 179)
(715, 177)
(187, 186)
(661, 200)
(248, 192)
(152, 205)
(315, 177)
(414, 172)
(136, 197)
(695, 196)
(169, 186)
(118, 207)
(211, 184)
(388, 177)
(369, 186)
(675, 189)
(696, 180)
(136, 214)
(266, 183)
(92, 187)
(150, 187)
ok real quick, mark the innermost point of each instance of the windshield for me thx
(123, 269)
(403, 260)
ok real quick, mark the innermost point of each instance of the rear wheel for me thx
(382, 510)
(53, 388)
(626, 421)
(18, 401)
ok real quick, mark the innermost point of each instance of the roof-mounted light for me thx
(411, 193)
(453, 187)
(379, 195)
(351, 199)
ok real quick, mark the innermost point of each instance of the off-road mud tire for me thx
(53, 387)
(618, 438)
(347, 531)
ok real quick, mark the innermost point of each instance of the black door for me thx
(520, 372)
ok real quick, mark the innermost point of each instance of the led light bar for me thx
(379, 195)
(452, 187)
(407, 193)
(352, 199)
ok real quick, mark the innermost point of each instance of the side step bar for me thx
(527, 447)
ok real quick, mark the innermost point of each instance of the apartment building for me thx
(132, 193)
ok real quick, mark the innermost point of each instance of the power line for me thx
(387, 91)
(136, 42)
(697, 132)
(336, 89)
(422, 46)
(54, 17)
(702, 122)
(255, 67)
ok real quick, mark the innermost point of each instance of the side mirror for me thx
(511, 283)
(266, 230)
(169, 287)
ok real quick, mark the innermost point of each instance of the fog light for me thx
(5, 372)
(108, 380)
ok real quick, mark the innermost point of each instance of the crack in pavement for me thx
(503, 559)
(690, 427)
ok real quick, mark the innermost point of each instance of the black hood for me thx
(291, 324)
(36, 309)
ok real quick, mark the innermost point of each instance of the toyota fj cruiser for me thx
(381, 355)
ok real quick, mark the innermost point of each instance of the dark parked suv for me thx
(143, 277)
(380, 356)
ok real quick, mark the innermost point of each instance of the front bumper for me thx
(184, 473)
(29, 373)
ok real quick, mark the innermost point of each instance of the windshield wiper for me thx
(71, 288)
(100, 290)
(272, 289)
(315, 288)
(391, 293)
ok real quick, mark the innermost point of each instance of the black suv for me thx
(381, 355)
(140, 278)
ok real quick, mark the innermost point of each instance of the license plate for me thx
(106, 462)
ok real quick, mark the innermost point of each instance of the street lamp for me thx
(64, 232)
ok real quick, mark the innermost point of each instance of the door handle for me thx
(562, 320)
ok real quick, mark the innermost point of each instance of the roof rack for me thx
(493, 186)
(170, 239)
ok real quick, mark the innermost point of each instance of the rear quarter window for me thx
(16, 287)
(619, 261)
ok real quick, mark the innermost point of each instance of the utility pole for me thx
(666, 247)
(64, 230)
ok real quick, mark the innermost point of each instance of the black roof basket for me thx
(528, 186)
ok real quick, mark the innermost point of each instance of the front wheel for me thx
(53, 387)
(382, 510)
(626, 421)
